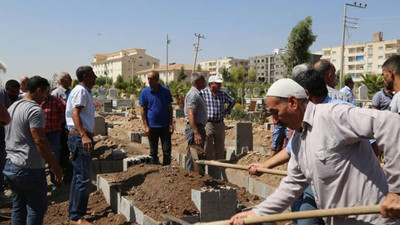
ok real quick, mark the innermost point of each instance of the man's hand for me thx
(87, 143)
(147, 130)
(57, 172)
(253, 168)
(197, 138)
(238, 218)
(390, 206)
(171, 129)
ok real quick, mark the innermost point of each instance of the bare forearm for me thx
(192, 121)
(77, 121)
(279, 159)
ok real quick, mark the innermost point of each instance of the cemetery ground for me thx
(156, 189)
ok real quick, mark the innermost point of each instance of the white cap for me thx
(214, 79)
(285, 88)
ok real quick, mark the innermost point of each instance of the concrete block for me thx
(230, 152)
(135, 137)
(100, 126)
(150, 221)
(235, 178)
(207, 202)
(144, 139)
(258, 188)
(107, 106)
(268, 126)
(191, 219)
(126, 209)
(139, 216)
(243, 136)
(216, 172)
(102, 184)
(227, 202)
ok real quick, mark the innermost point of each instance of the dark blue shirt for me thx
(157, 105)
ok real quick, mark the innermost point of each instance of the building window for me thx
(333, 52)
(360, 58)
(380, 57)
(333, 60)
(380, 48)
(369, 50)
(369, 59)
(147, 63)
(369, 68)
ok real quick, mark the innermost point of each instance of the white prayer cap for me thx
(285, 88)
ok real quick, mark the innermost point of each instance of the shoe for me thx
(79, 222)
(4, 200)
(55, 191)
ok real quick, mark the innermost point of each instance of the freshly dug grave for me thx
(157, 190)
(255, 157)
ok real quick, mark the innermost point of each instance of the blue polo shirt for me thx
(157, 105)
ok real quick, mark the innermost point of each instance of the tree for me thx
(226, 76)
(182, 75)
(252, 75)
(239, 76)
(178, 90)
(373, 83)
(198, 68)
(101, 81)
(299, 42)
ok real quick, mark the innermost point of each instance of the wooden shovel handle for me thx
(241, 167)
(357, 210)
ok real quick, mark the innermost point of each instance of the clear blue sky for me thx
(47, 37)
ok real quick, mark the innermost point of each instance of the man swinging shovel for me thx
(331, 154)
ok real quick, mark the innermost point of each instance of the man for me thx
(328, 72)
(348, 90)
(156, 111)
(62, 91)
(391, 79)
(79, 116)
(195, 110)
(338, 163)
(27, 152)
(7, 96)
(23, 80)
(215, 127)
(54, 110)
(382, 99)
(64, 84)
(13, 90)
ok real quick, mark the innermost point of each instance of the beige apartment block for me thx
(363, 58)
(271, 68)
(125, 63)
(172, 75)
(213, 66)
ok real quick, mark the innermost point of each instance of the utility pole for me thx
(196, 49)
(166, 77)
(353, 24)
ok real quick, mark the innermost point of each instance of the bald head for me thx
(64, 80)
(327, 70)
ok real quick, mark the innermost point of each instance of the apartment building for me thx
(363, 58)
(172, 75)
(213, 66)
(271, 67)
(125, 63)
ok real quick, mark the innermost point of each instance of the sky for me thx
(47, 37)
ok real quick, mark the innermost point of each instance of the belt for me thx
(71, 132)
(215, 121)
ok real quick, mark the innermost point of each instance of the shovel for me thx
(357, 210)
(241, 167)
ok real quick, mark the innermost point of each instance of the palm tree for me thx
(373, 83)
(178, 91)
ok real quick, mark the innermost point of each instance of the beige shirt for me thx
(334, 156)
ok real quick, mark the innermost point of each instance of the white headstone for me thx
(113, 93)
(247, 93)
(363, 92)
(102, 93)
(256, 92)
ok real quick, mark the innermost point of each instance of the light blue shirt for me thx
(349, 93)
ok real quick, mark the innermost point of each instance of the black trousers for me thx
(164, 135)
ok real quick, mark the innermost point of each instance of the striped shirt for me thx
(216, 104)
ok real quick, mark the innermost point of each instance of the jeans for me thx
(54, 139)
(80, 185)
(29, 189)
(306, 202)
(278, 137)
(190, 140)
(164, 135)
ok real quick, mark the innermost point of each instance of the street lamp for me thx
(354, 23)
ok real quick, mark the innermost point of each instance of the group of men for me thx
(204, 108)
(47, 127)
(330, 153)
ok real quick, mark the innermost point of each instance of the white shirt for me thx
(333, 156)
(395, 103)
(80, 96)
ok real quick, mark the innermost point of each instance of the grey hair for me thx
(62, 76)
(300, 69)
(196, 76)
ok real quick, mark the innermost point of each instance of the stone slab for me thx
(243, 136)
(100, 126)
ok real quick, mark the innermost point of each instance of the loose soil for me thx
(154, 189)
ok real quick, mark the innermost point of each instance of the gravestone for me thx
(256, 92)
(107, 106)
(113, 93)
(247, 93)
(102, 92)
(363, 92)
(243, 136)
(100, 126)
